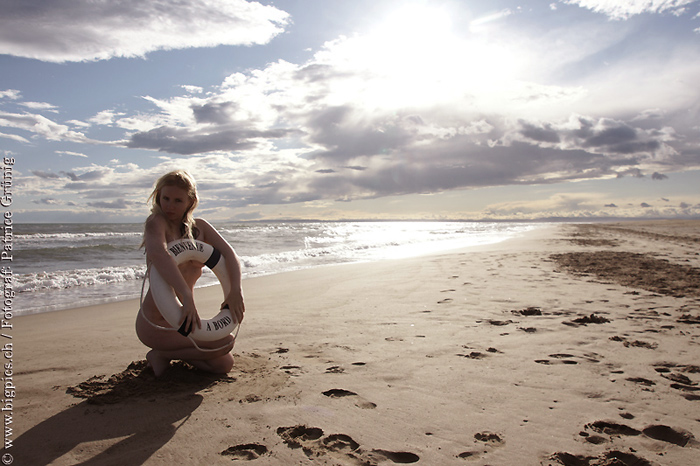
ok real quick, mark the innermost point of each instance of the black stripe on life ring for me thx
(213, 259)
(182, 330)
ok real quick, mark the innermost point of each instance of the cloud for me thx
(39, 106)
(91, 175)
(347, 145)
(558, 205)
(45, 175)
(48, 201)
(105, 117)
(86, 175)
(186, 141)
(79, 123)
(624, 9)
(230, 189)
(214, 112)
(192, 89)
(85, 30)
(93, 191)
(118, 204)
(602, 135)
(585, 205)
(12, 94)
(14, 137)
(74, 154)
(41, 126)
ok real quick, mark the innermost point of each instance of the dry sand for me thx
(575, 345)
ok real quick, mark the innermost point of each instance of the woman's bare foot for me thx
(157, 362)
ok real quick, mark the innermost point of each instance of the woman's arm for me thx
(158, 256)
(234, 300)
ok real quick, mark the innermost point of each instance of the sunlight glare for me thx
(415, 57)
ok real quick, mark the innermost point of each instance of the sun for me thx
(417, 56)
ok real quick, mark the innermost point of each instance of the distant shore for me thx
(570, 345)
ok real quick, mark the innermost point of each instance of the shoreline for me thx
(472, 356)
(131, 295)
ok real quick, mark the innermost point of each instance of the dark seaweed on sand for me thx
(634, 270)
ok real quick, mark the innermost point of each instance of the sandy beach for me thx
(575, 345)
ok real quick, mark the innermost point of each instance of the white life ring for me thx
(170, 307)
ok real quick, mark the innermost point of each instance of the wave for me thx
(72, 236)
(63, 251)
(61, 280)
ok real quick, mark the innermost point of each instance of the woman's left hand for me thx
(235, 303)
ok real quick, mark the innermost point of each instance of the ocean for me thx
(62, 266)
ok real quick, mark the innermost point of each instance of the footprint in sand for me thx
(634, 344)
(247, 452)
(612, 428)
(469, 454)
(498, 323)
(680, 437)
(676, 436)
(641, 381)
(528, 329)
(564, 358)
(610, 457)
(341, 393)
(685, 389)
(594, 439)
(294, 371)
(340, 442)
(679, 378)
(489, 438)
(477, 354)
(402, 457)
(689, 319)
(472, 355)
(338, 446)
(680, 381)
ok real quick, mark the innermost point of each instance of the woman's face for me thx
(174, 202)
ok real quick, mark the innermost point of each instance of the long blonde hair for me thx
(181, 179)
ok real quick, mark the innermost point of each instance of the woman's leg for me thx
(168, 345)
(219, 361)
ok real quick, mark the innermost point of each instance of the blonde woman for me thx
(174, 199)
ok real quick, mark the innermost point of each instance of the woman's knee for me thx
(222, 365)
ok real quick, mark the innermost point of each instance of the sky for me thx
(352, 109)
